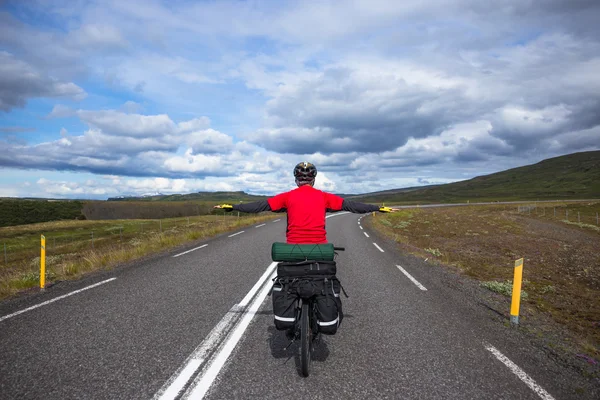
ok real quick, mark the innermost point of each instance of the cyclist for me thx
(305, 207)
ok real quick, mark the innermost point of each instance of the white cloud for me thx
(116, 123)
(194, 124)
(193, 163)
(19, 82)
(131, 107)
(61, 111)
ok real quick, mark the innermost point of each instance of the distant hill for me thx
(573, 176)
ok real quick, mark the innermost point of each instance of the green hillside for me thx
(574, 176)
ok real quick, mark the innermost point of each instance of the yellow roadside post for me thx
(516, 292)
(43, 264)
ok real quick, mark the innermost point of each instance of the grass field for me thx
(561, 256)
(74, 248)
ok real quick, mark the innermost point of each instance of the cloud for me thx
(61, 111)
(377, 104)
(141, 145)
(194, 124)
(131, 107)
(19, 82)
(209, 141)
(116, 123)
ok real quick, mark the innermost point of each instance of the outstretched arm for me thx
(254, 207)
(361, 208)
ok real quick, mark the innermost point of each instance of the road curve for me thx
(195, 322)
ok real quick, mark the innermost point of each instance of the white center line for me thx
(55, 299)
(409, 276)
(520, 373)
(258, 284)
(204, 381)
(258, 226)
(366, 234)
(338, 213)
(380, 249)
(175, 385)
(185, 252)
(236, 234)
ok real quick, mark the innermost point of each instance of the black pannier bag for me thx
(307, 279)
(284, 305)
(328, 307)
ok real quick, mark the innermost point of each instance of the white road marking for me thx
(55, 299)
(380, 249)
(176, 384)
(258, 226)
(409, 276)
(178, 380)
(520, 373)
(277, 220)
(204, 381)
(257, 285)
(185, 252)
(235, 234)
(361, 227)
(366, 234)
(339, 213)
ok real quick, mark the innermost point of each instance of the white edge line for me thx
(409, 276)
(520, 373)
(380, 249)
(203, 383)
(366, 234)
(277, 220)
(55, 299)
(361, 227)
(235, 234)
(258, 226)
(195, 248)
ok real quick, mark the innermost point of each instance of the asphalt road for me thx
(199, 324)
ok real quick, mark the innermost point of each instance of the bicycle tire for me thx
(305, 339)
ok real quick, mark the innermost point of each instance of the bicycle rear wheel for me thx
(305, 339)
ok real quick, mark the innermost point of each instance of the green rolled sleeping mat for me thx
(284, 252)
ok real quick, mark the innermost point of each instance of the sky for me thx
(108, 98)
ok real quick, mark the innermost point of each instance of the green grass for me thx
(73, 253)
(504, 288)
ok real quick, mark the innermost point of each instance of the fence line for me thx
(585, 218)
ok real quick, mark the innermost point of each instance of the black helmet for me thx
(305, 173)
